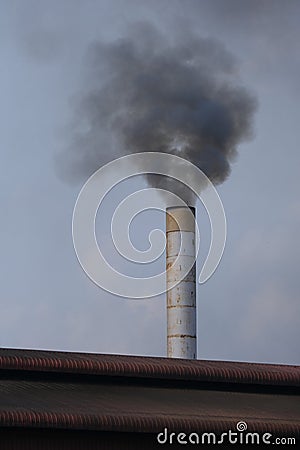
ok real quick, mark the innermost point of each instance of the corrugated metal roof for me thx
(58, 390)
(90, 405)
(137, 366)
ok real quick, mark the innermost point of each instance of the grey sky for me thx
(249, 310)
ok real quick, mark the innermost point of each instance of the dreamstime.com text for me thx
(238, 436)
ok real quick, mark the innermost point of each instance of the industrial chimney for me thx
(181, 299)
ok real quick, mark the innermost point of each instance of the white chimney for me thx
(181, 299)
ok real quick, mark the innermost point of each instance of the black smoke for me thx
(149, 92)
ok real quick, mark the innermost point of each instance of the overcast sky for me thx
(249, 310)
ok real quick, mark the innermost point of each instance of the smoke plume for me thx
(150, 92)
